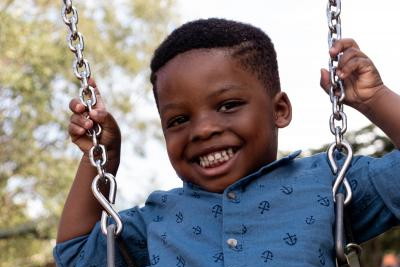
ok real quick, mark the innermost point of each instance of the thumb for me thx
(325, 81)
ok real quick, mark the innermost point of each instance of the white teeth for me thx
(216, 157)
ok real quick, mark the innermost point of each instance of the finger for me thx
(324, 81)
(92, 83)
(76, 106)
(355, 64)
(341, 45)
(76, 131)
(349, 54)
(99, 115)
(81, 121)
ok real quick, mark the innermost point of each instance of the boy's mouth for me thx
(216, 158)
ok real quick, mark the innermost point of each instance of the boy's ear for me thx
(282, 110)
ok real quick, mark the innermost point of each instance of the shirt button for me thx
(232, 242)
(231, 195)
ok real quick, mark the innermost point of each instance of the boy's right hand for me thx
(81, 121)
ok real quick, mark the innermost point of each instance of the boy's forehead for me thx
(202, 69)
(201, 56)
(197, 53)
(190, 63)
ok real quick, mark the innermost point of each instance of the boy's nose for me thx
(205, 128)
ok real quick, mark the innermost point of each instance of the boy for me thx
(217, 90)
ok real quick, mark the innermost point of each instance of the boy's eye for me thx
(229, 105)
(176, 121)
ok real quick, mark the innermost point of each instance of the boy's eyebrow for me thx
(169, 106)
(222, 90)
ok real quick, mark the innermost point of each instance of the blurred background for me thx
(37, 159)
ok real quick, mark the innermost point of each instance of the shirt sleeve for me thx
(375, 206)
(91, 250)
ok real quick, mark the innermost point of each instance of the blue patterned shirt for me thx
(281, 215)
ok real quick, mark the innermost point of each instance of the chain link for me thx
(338, 127)
(87, 95)
(338, 119)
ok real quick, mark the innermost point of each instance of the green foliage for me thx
(37, 163)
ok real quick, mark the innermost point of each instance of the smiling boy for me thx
(216, 86)
(211, 117)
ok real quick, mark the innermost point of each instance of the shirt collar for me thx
(189, 187)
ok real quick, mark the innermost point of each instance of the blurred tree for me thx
(371, 141)
(37, 163)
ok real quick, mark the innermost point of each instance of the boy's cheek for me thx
(173, 148)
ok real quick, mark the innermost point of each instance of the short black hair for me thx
(249, 45)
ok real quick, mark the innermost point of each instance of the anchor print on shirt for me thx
(290, 239)
(287, 190)
(196, 230)
(154, 259)
(310, 220)
(180, 261)
(267, 256)
(218, 257)
(164, 238)
(244, 229)
(321, 256)
(179, 217)
(195, 194)
(216, 210)
(324, 201)
(264, 206)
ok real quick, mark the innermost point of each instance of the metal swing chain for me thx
(98, 153)
(347, 255)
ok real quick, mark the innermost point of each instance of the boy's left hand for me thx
(361, 79)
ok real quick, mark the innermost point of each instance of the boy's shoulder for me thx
(300, 157)
(358, 162)
(306, 161)
(162, 197)
(156, 202)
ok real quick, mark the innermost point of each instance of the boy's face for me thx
(219, 122)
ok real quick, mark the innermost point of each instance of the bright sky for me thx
(299, 32)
